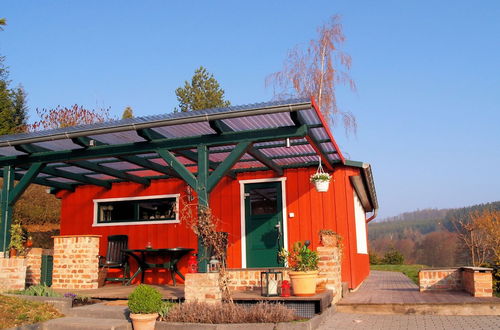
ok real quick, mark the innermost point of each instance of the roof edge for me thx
(367, 173)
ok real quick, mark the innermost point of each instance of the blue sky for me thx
(428, 75)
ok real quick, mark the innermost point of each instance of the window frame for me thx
(135, 223)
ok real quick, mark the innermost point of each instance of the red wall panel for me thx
(313, 211)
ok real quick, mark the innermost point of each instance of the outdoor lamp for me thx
(270, 283)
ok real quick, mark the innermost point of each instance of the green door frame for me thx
(243, 214)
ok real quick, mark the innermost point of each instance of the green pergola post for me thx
(203, 195)
(6, 208)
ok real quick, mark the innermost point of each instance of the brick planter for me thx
(12, 273)
(477, 281)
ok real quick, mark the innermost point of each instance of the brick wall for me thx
(477, 281)
(249, 279)
(202, 287)
(76, 262)
(12, 273)
(34, 264)
(440, 279)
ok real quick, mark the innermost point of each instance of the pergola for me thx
(200, 147)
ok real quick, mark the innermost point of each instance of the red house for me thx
(250, 164)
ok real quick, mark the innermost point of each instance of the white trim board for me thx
(242, 214)
(120, 199)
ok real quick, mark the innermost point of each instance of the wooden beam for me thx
(239, 150)
(27, 178)
(178, 167)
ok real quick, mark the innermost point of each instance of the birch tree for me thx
(316, 71)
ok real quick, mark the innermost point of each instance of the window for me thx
(360, 219)
(136, 210)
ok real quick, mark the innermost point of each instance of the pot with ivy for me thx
(144, 304)
(304, 265)
(321, 181)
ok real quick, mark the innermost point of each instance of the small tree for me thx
(316, 72)
(127, 113)
(203, 92)
(65, 117)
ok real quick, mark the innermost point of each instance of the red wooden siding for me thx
(313, 211)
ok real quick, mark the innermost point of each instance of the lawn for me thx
(15, 312)
(409, 270)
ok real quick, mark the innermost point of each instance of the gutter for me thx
(163, 122)
(366, 171)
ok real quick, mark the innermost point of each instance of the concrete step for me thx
(100, 311)
(86, 323)
(486, 308)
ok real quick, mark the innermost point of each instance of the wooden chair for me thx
(116, 258)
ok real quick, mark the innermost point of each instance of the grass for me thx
(409, 270)
(15, 312)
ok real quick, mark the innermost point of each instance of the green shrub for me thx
(374, 259)
(165, 308)
(393, 257)
(145, 300)
(40, 291)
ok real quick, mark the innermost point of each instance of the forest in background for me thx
(429, 237)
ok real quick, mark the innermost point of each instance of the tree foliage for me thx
(60, 117)
(203, 92)
(127, 113)
(316, 71)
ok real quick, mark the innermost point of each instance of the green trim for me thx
(239, 150)
(178, 167)
(203, 196)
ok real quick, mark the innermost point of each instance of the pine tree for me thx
(203, 92)
(128, 113)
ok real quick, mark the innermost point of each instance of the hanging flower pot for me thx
(321, 179)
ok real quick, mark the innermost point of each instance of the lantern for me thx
(270, 283)
(192, 264)
(214, 265)
(285, 289)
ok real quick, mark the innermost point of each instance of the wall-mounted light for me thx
(92, 143)
(288, 143)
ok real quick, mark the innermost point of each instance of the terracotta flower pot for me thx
(304, 283)
(144, 321)
(13, 252)
(329, 240)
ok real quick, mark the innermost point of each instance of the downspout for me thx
(373, 216)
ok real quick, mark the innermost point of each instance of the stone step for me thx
(100, 311)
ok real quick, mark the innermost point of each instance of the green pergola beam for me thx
(239, 150)
(6, 207)
(86, 143)
(221, 128)
(45, 182)
(31, 149)
(148, 134)
(76, 177)
(178, 167)
(25, 181)
(152, 146)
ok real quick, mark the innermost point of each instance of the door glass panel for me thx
(263, 201)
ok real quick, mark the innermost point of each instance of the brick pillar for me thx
(478, 281)
(12, 273)
(202, 287)
(76, 262)
(330, 276)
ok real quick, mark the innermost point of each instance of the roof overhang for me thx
(265, 136)
(364, 186)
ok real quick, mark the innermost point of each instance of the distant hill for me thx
(423, 221)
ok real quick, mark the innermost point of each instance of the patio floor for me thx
(383, 287)
(394, 293)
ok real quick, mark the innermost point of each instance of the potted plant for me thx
(321, 181)
(329, 238)
(144, 304)
(16, 240)
(304, 264)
